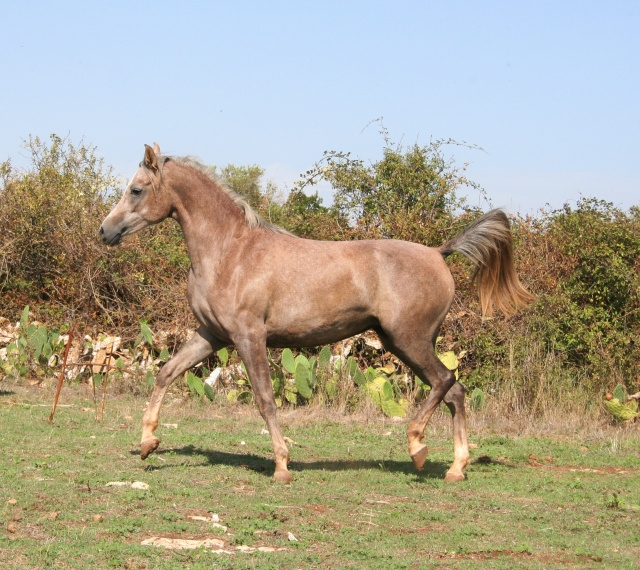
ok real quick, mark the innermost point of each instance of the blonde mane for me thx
(253, 219)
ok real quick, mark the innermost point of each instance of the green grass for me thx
(356, 502)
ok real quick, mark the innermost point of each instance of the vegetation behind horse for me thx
(576, 342)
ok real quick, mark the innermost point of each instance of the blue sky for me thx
(549, 90)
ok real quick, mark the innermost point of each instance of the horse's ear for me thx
(150, 158)
(156, 149)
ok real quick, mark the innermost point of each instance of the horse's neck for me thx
(210, 221)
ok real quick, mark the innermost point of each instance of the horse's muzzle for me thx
(109, 238)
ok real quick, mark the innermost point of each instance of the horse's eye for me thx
(136, 191)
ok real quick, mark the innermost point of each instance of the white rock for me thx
(214, 376)
(182, 544)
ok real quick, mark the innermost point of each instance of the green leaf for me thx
(331, 388)
(209, 392)
(24, 319)
(324, 358)
(245, 397)
(195, 384)
(146, 333)
(387, 391)
(352, 366)
(301, 377)
(619, 410)
(313, 367)
(277, 381)
(360, 378)
(291, 396)
(164, 355)
(449, 359)
(388, 369)
(288, 362)
(149, 378)
(620, 393)
(379, 390)
(223, 355)
(302, 359)
(393, 409)
(478, 400)
(47, 351)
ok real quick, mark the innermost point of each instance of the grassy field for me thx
(568, 498)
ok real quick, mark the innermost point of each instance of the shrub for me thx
(51, 256)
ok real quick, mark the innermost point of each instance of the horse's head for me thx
(142, 203)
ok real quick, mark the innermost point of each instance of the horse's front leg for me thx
(253, 352)
(199, 347)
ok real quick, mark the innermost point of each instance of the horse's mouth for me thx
(113, 239)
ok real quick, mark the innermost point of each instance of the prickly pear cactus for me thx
(620, 412)
(616, 404)
(478, 400)
(302, 377)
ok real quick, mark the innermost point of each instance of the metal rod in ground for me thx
(104, 382)
(93, 385)
(64, 366)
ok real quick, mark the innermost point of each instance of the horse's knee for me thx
(266, 405)
(267, 408)
(455, 394)
(163, 378)
(454, 398)
(444, 381)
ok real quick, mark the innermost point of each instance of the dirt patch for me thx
(609, 470)
(485, 555)
(429, 529)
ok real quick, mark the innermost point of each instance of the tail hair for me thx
(488, 243)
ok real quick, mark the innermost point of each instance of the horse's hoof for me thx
(148, 446)
(419, 457)
(452, 477)
(283, 477)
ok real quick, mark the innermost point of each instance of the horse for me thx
(255, 285)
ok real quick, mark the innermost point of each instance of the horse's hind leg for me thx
(199, 347)
(454, 399)
(422, 359)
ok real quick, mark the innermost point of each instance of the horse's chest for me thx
(203, 306)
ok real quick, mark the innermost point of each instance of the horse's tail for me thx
(487, 242)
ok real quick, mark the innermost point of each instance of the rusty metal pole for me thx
(64, 365)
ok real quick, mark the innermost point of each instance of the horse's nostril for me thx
(101, 230)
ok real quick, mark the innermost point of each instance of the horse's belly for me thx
(316, 331)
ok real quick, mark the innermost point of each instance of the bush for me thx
(583, 262)
(52, 258)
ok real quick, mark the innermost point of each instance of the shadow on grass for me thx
(261, 464)
(6, 392)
